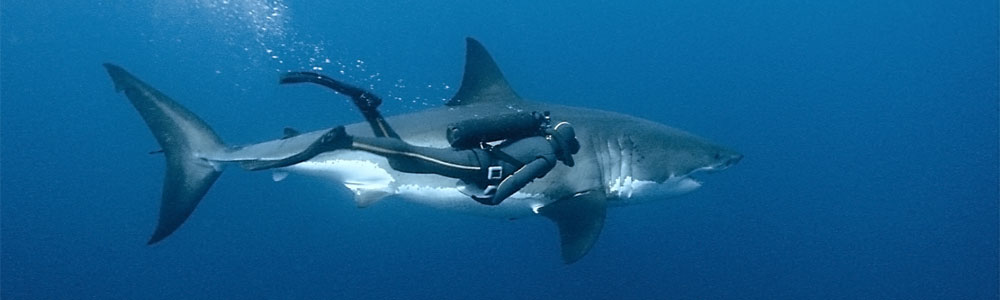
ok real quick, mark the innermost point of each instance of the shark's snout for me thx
(724, 160)
(733, 159)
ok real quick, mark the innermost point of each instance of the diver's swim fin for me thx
(365, 100)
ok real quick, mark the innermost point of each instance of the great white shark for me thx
(622, 160)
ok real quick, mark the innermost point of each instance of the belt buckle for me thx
(494, 172)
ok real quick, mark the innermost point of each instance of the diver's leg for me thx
(366, 101)
(403, 157)
(408, 158)
(334, 139)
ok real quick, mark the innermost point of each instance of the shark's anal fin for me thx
(580, 219)
(482, 81)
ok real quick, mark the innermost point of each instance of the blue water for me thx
(869, 130)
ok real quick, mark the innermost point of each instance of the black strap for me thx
(504, 156)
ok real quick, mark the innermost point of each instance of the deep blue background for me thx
(869, 129)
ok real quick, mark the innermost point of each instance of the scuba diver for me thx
(488, 172)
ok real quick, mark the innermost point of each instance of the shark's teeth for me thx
(622, 187)
(630, 190)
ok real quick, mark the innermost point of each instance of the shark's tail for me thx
(184, 138)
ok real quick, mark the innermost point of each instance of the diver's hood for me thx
(565, 137)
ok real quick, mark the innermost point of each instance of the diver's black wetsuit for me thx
(489, 174)
(525, 159)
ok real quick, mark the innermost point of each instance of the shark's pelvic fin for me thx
(580, 219)
(182, 135)
(366, 199)
(279, 176)
(482, 81)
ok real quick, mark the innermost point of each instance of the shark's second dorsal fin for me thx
(482, 81)
(290, 132)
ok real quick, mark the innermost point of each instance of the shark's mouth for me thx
(630, 190)
(717, 167)
(617, 160)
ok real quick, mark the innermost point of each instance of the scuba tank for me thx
(472, 133)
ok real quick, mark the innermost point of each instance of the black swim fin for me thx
(365, 100)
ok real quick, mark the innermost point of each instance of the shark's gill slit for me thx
(603, 162)
(625, 144)
(615, 157)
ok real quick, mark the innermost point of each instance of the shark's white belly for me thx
(628, 191)
(370, 178)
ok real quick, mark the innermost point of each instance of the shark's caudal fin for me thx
(183, 136)
(482, 81)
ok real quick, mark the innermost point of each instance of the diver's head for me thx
(565, 137)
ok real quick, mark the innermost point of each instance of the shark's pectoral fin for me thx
(580, 219)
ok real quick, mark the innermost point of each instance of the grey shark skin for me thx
(622, 160)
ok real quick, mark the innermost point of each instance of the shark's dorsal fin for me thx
(290, 132)
(580, 219)
(482, 81)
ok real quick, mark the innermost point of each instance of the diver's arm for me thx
(513, 183)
